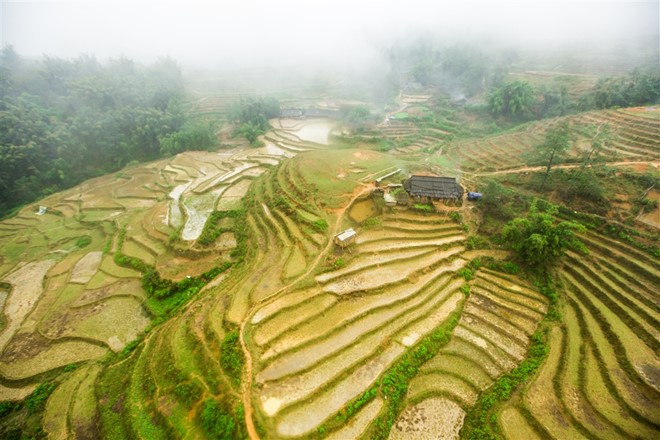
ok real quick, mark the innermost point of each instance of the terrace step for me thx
(450, 386)
(365, 321)
(640, 400)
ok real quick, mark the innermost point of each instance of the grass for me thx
(320, 170)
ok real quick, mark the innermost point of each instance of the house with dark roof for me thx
(433, 188)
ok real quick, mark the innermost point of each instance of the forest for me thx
(63, 121)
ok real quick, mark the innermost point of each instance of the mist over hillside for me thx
(295, 33)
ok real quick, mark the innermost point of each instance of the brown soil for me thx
(24, 346)
(652, 217)
(86, 267)
(123, 287)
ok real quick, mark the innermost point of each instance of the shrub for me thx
(456, 216)
(320, 225)
(476, 242)
(84, 241)
(187, 393)
(465, 289)
(8, 407)
(371, 223)
(217, 421)
(422, 208)
(394, 384)
(466, 273)
(231, 356)
(36, 401)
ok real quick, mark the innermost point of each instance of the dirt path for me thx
(656, 164)
(246, 382)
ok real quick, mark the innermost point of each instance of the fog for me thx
(261, 33)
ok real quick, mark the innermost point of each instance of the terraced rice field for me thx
(410, 138)
(631, 136)
(602, 376)
(301, 339)
(67, 300)
(490, 339)
(346, 333)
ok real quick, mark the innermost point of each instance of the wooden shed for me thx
(345, 238)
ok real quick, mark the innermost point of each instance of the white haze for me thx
(253, 33)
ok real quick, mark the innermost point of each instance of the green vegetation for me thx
(83, 241)
(251, 116)
(231, 356)
(538, 239)
(359, 117)
(394, 384)
(220, 422)
(64, 121)
(460, 66)
(641, 86)
(21, 420)
(165, 296)
(212, 229)
(423, 208)
(556, 143)
(513, 98)
(195, 134)
(36, 401)
(478, 422)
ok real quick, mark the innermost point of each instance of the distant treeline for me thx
(519, 100)
(465, 71)
(63, 121)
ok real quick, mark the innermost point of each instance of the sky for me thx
(205, 33)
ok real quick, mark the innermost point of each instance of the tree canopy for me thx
(513, 98)
(538, 238)
(251, 115)
(641, 86)
(63, 121)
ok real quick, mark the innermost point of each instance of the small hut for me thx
(390, 200)
(345, 238)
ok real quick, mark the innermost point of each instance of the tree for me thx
(251, 116)
(557, 142)
(62, 121)
(358, 116)
(555, 101)
(538, 239)
(513, 98)
(194, 135)
(601, 138)
(641, 86)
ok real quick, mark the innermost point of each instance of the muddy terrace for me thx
(400, 336)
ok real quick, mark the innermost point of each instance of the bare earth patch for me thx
(57, 355)
(86, 267)
(436, 418)
(27, 283)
